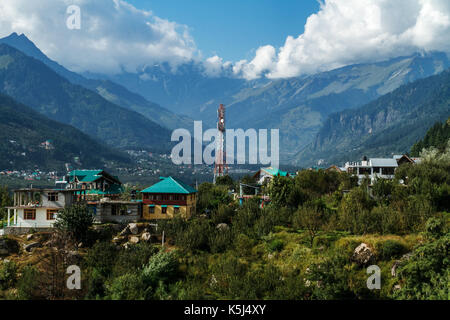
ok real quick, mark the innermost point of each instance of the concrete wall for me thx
(104, 213)
(40, 221)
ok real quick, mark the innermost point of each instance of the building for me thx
(97, 183)
(37, 208)
(168, 198)
(106, 210)
(265, 175)
(377, 167)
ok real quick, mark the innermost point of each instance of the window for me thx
(163, 210)
(176, 210)
(52, 214)
(151, 210)
(53, 196)
(29, 214)
(387, 171)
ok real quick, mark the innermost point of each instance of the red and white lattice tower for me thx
(220, 168)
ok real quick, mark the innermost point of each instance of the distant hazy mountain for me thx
(386, 126)
(112, 92)
(23, 130)
(296, 106)
(32, 83)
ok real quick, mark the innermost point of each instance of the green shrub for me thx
(275, 245)
(28, 284)
(8, 275)
(163, 266)
(126, 287)
(390, 249)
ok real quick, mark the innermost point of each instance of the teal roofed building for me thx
(267, 174)
(96, 183)
(168, 198)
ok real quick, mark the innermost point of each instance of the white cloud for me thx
(354, 31)
(114, 35)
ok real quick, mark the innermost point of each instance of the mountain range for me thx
(32, 83)
(299, 106)
(125, 110)
(389, 125)
(24, 134)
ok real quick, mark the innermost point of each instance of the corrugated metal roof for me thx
(275, 171)
(170, 185)
(383, 162)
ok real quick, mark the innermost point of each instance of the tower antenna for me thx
(220, 167)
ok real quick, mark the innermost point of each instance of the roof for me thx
(170, 185)
(383, 162)
(90, 175)
(114, 189)
(275, 171)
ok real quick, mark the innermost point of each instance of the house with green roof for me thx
(96, 183)
(167, 199)
(267, 174)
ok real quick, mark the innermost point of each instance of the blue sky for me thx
(234, 29)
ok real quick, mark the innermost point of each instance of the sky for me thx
(234, 29)
(249, 39)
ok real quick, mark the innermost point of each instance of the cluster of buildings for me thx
(103, 194)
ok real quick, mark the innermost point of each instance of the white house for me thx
(37, 208)
(377, 167)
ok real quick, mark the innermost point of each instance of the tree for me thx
(312, 216)
(279, 190)
(75, 221)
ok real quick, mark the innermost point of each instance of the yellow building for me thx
(168, 198)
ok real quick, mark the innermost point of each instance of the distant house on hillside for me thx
(377, 167)
(37, 208)
(97, 183)
(267, 174)
(168, 198)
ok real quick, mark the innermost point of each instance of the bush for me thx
(28, 284)
(275, 245)
(8, 275)
(390, 249)
(435, 228)
(75, 221)
(126, 287)
(162, 267)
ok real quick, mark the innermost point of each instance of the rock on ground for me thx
(362, 254)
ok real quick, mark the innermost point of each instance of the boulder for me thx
(29, 237)
(134, 229)
(222, 226)
(119, 239)
(31, 246)
(125, 231)
(146, 236)
(134, 239)
(8, 246)
(362, 254)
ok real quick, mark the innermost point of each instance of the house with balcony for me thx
(95, 184)
(37, 209)
(374, 168)
(167, 199)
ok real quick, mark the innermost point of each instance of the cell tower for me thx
(220, 168)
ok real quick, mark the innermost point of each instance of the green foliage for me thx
(28, 284)
(275, 245)
(162, 267)
(435, 228)
(76, 221)
(225, 181)
(5, 201)
(390, 249)
(126, 287)
(426, 274)
(211, 196)
(437, 136)
(8, 275)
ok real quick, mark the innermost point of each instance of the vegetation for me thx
(300, 246)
